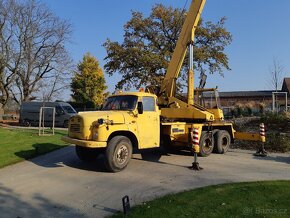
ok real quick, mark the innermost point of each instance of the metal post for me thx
(286, 103)
(275, 101)
(41, 130)
(191, 56)
(53, 120)
(42, 120)
(126, 204)
(39, 122)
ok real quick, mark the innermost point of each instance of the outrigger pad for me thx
(261, 153)
(195, 166)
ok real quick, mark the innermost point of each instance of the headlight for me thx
(100, 121)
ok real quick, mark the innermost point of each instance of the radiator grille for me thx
(75, 127)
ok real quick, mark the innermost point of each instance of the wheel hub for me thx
(122, 154)
(207, 144)
(224, 142)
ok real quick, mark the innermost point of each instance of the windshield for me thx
(127, 102)
(69, 109)
(208, 99)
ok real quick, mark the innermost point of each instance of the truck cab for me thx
(127, 120)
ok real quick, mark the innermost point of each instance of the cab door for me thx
(149, 124)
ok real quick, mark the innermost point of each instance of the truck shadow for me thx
(67, 157)
(13, 204)
(60, 158)
(154, 155)
(280, 159)
(95, 166)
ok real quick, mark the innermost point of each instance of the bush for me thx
(277, 131)
(276, 118)
(277, 122)
(277, 142)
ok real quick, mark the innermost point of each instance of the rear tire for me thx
(206, 144)
(222, 141)
(65, 124)
(87, 154)
(118, 153)
(27, 123)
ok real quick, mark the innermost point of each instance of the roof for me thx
(263, 93)
(139, 94)
(286, 85)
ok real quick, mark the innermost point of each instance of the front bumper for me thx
(84, 143)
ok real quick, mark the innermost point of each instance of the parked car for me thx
(29, 113)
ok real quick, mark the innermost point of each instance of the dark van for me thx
(29, 113)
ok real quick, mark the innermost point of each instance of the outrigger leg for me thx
(261, 151)
(195, 149)
(195, 164)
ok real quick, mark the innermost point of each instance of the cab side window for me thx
(148, 104)
(59, 110)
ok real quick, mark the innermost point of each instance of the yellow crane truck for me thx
(156, 116)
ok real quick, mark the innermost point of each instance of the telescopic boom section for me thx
(186, 37)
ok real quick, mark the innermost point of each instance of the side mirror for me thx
(140, 107)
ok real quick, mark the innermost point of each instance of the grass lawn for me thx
(19, 144)
(255, 199)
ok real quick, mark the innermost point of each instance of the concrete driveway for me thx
(59, 185)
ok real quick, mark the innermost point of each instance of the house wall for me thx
(230, 104)
(255, 100)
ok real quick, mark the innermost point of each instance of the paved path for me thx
(59, 185)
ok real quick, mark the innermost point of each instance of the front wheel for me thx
(118, 153)
(27, 123)
(65, 124)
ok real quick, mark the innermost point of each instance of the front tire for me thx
(118, 153)
(65, 124)
(87, 154)
(27, 123)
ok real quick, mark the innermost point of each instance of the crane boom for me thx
(186, 37)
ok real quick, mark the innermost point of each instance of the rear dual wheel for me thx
(222, 140)
(218, 141)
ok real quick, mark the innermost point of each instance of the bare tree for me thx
(6, 77)
(33, 46)
(276, 75)
(52, 88)
(276, 80)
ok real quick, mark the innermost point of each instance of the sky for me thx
(260, 29)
